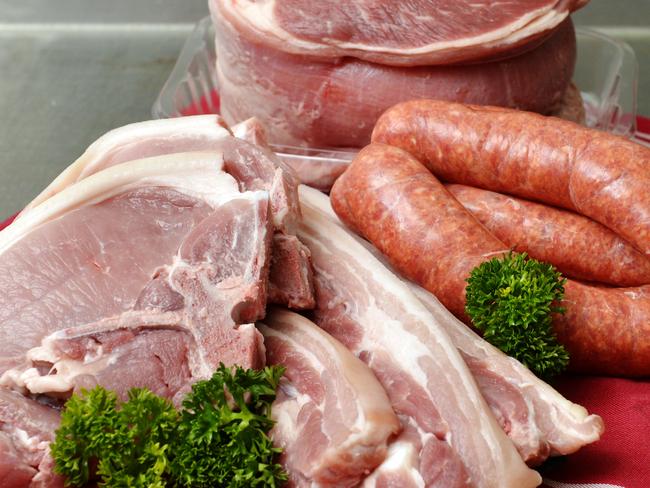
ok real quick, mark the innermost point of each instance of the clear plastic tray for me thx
(606, 73)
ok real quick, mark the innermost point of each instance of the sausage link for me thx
(606, 330)
(599, 175)
(398, 205)
(576, 245)
(393, 201)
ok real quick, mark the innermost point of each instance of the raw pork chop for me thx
(458, 440)
(333, 417)
(326, 102)
(26, 430)
(414, 33)
(148, 273)
(538, 420)
(254, 166)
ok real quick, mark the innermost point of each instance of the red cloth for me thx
(203, 106)
(622, 456)
(7, 222)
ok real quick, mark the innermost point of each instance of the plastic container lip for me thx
(606, 73)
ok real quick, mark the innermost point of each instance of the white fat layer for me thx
(286, 413)
(12, 378)
(209, 127)
(61, 376)
(259, 16)
(31, 380)
(46, 352)
(173, 171)
(402, 456)
(198, 126)
(214, 188)
(55, 383)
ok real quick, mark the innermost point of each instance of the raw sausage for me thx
(599, 175)
(393, 201)
(399, 206)
(576, 245)
(606, 330)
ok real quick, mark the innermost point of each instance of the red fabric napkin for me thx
(622, 457)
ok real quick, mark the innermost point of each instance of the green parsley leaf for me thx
(220, 438)
(223, 440)
(512, 300)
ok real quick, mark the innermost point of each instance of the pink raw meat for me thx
(326, 102)
(146, 274)
(26, 429)
(333, 417)
(457, 439)
(253, 165)
(163, 266)
(421, 32)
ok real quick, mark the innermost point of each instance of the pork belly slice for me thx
(247, 159)
(26, 430)
(333, 417)
(538, 420)
(373, 313)
(149, 273)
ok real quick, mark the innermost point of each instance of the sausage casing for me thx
(599, 175)
(577, 246)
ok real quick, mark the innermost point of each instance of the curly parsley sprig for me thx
(219, 438)
(511, 300)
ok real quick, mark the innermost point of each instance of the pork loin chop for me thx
(160, 262)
